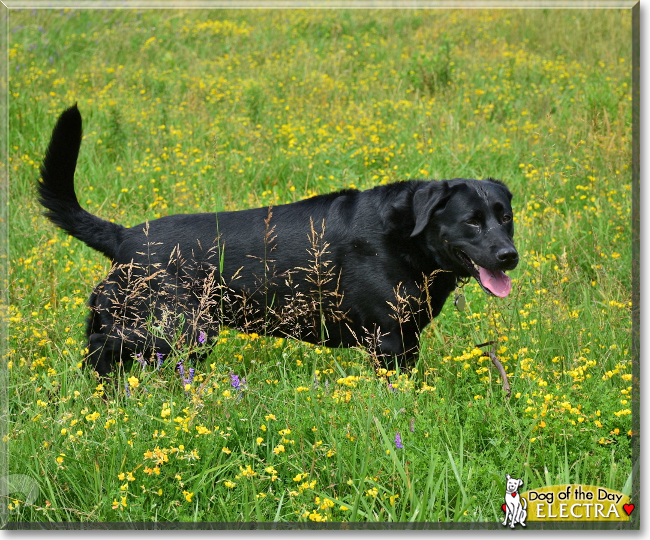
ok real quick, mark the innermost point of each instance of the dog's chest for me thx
(512, 499)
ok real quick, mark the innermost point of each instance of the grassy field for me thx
(202, 111)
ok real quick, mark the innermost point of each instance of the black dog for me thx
(350, 268)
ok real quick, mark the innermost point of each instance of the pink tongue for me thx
(496, 282)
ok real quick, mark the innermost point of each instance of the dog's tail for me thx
(56, 189)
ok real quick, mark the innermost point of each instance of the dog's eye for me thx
(506, 218)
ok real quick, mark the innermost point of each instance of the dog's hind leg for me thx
(107, 350)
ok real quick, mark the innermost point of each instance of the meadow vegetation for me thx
(202, 111)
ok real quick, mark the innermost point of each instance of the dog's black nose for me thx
(508, 256)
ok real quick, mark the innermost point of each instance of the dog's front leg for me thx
(396, 351)
(513, 518)
(505, 521)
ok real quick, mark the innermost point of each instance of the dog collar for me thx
(459, 300)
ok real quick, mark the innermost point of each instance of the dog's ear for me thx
(426, 200)
(502, 186)
(521, 482)
(507, 476)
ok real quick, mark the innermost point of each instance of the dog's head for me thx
(468, 226)
(513, 484)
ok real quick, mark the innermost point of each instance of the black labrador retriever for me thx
(353, 268)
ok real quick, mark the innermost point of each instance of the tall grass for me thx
(190, 111)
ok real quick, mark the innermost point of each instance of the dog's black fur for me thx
(353, 267)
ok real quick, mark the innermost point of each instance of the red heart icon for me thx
(513, 494)
(503, 507)
(628, 508)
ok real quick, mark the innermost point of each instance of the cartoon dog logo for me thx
(515, 506)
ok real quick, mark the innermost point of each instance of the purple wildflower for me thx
(412, 425)
(390, 387)
(160, 359)
(141, 360)
(181, 372)
(398, 441)
(238, 385)
(202, 337)
(242, 387)
(126, 389)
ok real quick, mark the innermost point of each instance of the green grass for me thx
(251, 108)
